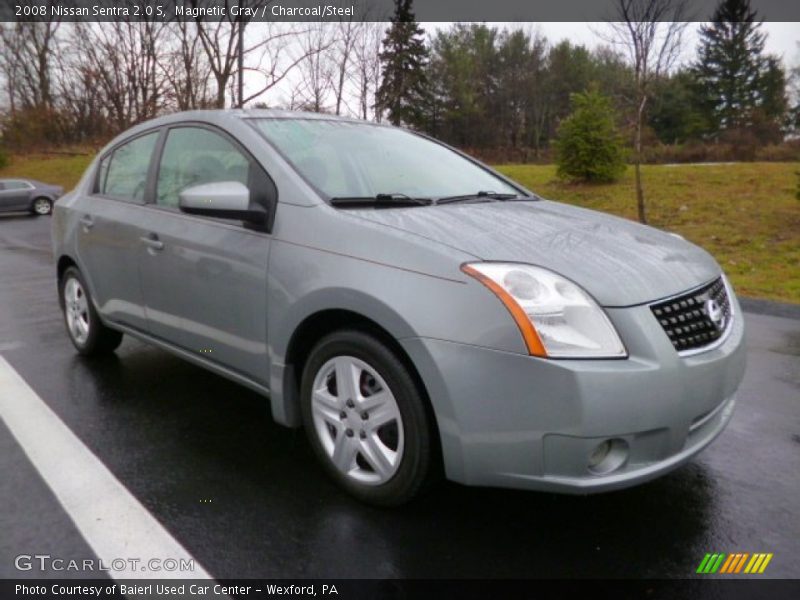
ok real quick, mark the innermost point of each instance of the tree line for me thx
(493, 90)
(82, 83)
(480, 86)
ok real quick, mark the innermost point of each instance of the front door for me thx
(205, 279)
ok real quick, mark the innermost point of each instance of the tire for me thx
(86, 332)
(42, 207)
(382, 440)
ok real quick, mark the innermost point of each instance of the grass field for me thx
(57, 169)
(745, 214)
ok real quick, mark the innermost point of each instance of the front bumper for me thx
(518, 421)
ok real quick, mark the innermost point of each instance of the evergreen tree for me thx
(739, 81)
(675, 116)
(588, 147)
(774, 103)
(403, 90)
(463, 73)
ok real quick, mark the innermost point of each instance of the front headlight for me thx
(557, 318)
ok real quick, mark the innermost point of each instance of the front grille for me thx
(696, 319)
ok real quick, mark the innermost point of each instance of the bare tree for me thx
(26, 57)
(273, 55)
(229, 52)
(366, 51)
(650, 31)
(220, 42)
(185, 67)
(223, 41)
(295, 100)
(122, 60)
(80, 107)
(316, 65)
(347, 36)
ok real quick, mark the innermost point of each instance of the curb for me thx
(768, 307)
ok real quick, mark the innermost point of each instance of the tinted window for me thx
(16, 185)
(194, 156)
(358, 159)
(125, 176)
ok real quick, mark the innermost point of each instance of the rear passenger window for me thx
(123, 174)
(194, 156)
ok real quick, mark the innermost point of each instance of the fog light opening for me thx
(608, 456)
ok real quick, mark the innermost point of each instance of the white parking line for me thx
(110, 519)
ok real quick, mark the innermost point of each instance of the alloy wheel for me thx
(76, 307)
(42, 206)
(357, 420)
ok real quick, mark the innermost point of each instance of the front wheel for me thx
(87, 333)
(365, 418)
(42, 207)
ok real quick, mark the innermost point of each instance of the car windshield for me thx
(359, 160)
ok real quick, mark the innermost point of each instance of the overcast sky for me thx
(782, 38)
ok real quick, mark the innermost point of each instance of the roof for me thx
(245, 113)
(222, 115)
(271, 113)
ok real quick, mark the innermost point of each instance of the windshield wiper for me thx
(476, 196)
(379, 201)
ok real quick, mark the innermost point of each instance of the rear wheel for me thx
(87, 333)
(365, 418)
(42, 206)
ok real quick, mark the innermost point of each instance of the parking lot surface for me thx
(246, 498)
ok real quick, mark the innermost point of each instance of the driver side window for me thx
(194, 156)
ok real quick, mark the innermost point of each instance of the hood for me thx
(619, 262)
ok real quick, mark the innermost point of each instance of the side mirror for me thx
(223, 199)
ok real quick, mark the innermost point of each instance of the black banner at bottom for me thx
(400, 589)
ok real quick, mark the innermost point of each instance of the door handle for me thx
(87, 222)
(152, 241)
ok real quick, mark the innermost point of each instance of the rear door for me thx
(15, 195)
(204, 279)
(110, 229)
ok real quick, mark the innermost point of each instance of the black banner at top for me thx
(359, 10)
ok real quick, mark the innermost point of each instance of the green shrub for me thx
(3, 158)
(589, 147)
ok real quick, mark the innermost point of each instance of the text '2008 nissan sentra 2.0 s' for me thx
(414, 310)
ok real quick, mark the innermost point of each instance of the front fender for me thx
(326, 261)
(283, 393)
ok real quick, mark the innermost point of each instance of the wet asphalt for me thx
(177, 437)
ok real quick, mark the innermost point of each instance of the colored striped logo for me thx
(737, 562)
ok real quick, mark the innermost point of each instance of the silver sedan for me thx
(415, 311)
(28, 195)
